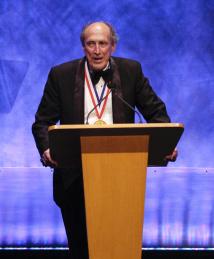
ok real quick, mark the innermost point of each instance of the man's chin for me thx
(97, 66)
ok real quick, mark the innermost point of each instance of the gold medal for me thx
(100, 122)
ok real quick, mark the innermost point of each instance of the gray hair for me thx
(113, 34)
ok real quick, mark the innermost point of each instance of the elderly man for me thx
(72, 90)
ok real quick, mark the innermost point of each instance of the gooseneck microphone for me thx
(114, 90)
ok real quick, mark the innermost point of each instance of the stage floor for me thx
(145, 255)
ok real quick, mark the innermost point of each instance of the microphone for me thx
(104, 97)
(114, 89)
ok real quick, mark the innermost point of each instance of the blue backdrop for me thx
(173, 40)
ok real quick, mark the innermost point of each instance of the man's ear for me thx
(113, 48)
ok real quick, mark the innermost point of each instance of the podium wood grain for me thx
(114, 172)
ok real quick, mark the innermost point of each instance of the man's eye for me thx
(90, 44)
(103, 44)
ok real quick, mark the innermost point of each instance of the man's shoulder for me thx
(126, 61)
(126, 66)
(72, 64)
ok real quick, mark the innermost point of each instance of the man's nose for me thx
(97, 49)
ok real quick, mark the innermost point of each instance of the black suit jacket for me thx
(63, 101)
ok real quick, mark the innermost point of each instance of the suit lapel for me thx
(117, 105)
(78, 94)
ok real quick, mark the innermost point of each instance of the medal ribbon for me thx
(102, 93)
(99, 115)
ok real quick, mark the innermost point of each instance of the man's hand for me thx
(47, 160)
(172, 157)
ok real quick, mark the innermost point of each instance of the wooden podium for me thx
(114, 162)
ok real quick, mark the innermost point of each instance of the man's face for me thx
(98, 46)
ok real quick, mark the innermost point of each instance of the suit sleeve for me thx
(148, 103)
(48, 113)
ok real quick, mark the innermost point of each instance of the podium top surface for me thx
(163, 137)
(117, 126)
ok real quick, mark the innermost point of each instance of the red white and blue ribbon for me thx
(95, 98)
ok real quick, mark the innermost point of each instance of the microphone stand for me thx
(126, 103)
